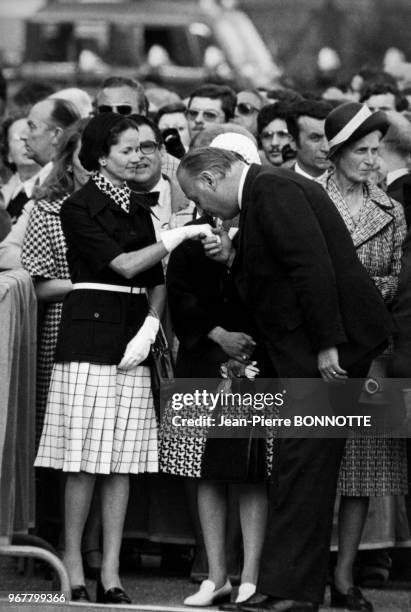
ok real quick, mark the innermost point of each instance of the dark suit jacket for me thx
(400, 190)
(298, 274)
(97, 325)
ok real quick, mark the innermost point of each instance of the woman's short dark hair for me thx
(101, 133)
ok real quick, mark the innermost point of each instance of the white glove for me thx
(139, 347)
(172, 238)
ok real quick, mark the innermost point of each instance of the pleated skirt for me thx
(100, 420)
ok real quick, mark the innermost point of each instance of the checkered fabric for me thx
(99, 420)
(119, 195)
(44, 257)
(377, 234)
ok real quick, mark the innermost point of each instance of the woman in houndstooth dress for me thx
(44, 255)
(100, 416)
(371, 466)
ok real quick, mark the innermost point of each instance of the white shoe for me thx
(207, 595)
(245, 591)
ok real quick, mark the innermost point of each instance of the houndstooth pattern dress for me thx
(100, 419)
(374, 467)
(44, 257)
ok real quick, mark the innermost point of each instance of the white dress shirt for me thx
(299, 170)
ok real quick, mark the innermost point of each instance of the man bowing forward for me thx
(317, 312)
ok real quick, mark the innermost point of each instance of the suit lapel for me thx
(245, 204)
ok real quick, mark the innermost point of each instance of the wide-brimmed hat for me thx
(350, 122)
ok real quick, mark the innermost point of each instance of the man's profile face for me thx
(312, 146)
(202, 113)
(273, 138)
(218, 200)
(123, 100)
(381, 102)
(40, 137)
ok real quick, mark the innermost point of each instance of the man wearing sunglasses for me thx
(208, 105)
(172, 206)
(249, 103)
(121, 95)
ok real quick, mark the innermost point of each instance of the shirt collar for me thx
(299, 170)
(396, 174)
(241, 185)
(37, 179)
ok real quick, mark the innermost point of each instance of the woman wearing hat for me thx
(370, 466)
(100, 419)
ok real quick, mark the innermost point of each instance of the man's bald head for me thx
(210, 177)
(46, 122)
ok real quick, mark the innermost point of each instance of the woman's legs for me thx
(78, 494)
(351, 519)
(92, 533)
(253, 517)
(212, 509)
(114, 498)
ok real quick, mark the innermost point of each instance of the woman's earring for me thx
(103, 162)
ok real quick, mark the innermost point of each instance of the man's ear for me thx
(57, 135)
(209, 179)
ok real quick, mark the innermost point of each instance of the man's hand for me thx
(329, 366)
(219, 247)
(237, 345)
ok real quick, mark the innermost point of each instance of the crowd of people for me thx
(265, 232)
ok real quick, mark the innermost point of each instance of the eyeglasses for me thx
(243, 108)
(148, 147)
(268, 136)
(208, 115)
(121, 109)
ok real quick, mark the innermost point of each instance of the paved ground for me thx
(150, 591)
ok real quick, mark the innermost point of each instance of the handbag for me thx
(238, 458)
(161, 369)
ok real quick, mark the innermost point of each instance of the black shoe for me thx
(111, 596)
(352, 600)
(263, 603)
(79, 593)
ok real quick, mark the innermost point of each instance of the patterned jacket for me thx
(378, 235)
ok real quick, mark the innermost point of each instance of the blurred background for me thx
(180, 43)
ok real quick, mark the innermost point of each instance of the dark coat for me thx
(298, 274)
(97, 325)
(400, 190)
